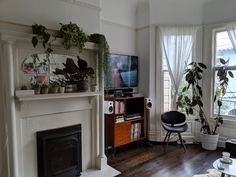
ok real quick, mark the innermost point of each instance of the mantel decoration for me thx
(76, 74)
(194, 103)
(71, 35)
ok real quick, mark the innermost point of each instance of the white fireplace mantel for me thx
(23, 116)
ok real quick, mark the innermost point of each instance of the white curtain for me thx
(177, 46)
(231, 29)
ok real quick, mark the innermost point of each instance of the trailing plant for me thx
(42, 34)
(72, 36)
(222, 74)
(75, 73)
(103, 54)
(194, 102)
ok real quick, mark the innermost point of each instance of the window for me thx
(167, 86)
(224, 49)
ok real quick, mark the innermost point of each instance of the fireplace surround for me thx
(59, 152)
(24, 116)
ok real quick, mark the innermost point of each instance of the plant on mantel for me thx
(72, 36)
(194, 103)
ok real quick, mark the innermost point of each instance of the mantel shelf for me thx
(49, 96)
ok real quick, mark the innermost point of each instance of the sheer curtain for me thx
(231, 29)
(177, 46)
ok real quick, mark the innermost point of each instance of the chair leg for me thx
(165, 140)
(166, 136)
(181, 141)
(168, 139)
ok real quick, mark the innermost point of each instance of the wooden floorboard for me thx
(144, 161)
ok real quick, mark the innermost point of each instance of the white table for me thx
(229, 169)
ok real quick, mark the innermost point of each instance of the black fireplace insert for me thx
(59, 152)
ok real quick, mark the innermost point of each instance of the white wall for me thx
(175, 12)
(50, 13)
(219, 11)
(118, 23)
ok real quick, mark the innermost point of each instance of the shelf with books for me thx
(129, 112)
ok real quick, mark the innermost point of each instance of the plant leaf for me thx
(34, 41)
(222, 61)
(231, 74)
(202, 65)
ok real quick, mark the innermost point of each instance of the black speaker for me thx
(149, 103)
(230, 146)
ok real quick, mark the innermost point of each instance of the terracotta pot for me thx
(54, 89)
(82, 85)
(37, 91)
(68, 89)
(44, 90)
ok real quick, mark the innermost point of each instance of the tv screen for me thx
(123, 71)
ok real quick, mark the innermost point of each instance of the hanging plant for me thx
(72, 36)
(41, 34)
(103, 54)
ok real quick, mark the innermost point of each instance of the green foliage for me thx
(75, 73)
(221, 89)
(103, 53)
(193, 76)
(41, 34)
(35, 85)
(72, 36)
(24, 87)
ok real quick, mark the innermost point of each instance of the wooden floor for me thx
(143, 161)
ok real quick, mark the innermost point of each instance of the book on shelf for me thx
(133, 116)
(135, 131)
(119, 107)
(120, 119)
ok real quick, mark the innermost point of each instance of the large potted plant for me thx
(194, 103)
(76, 74)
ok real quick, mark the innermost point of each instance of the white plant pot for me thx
(209, 142)
(61, 89)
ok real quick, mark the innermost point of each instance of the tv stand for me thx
(123, 90)
(128, 122)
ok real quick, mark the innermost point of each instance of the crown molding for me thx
(117, 24)
(83, 4)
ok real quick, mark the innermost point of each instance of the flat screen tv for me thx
(123, 71)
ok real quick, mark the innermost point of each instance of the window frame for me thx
(214, 69)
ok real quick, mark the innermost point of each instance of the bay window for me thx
(224, 49)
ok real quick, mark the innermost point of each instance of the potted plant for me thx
(194, 103)
(62, 84)
(36, 87)
(78, 74)
(54, 87)
(44, 89)
(72, 36)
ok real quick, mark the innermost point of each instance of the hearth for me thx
(59, 152)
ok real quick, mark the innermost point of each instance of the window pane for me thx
(224, 49)
(229, 100)
(167, 91)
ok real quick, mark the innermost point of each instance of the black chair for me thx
(174, 122)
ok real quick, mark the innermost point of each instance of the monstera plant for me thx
(76, 74)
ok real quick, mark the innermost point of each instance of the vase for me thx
(68, 89)
(209, 142)
(82, 86)
(61, 89)
(44, 90)
(37, 91)
(54, 89)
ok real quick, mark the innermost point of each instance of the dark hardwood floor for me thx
(143, 161)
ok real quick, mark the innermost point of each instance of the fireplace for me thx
(59, 152)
